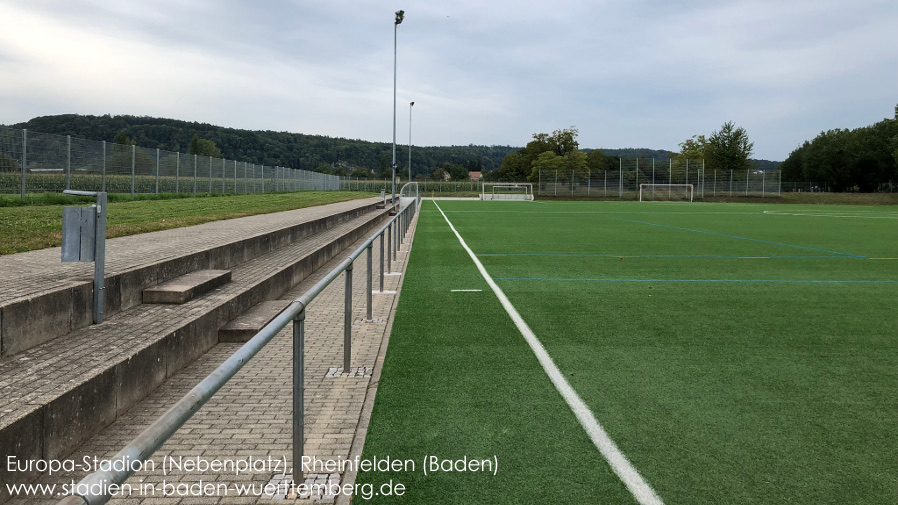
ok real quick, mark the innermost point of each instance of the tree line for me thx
(338, 156)
(862, 160)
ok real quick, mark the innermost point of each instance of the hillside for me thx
(298, 150)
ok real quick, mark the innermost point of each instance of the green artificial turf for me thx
(718, 392)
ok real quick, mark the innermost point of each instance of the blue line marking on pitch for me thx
(784, 281)
(663, 256)
(738, 237)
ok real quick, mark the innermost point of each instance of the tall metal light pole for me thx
(410, 105)
(399, 16)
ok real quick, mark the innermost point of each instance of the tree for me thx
(527, 162)
(122, 138)
(597, 161)
(692, 149)
(728, 149)
(203, 147)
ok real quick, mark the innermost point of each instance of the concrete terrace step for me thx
(42, 298)
(245, 326)
(60, 393)
(186, 287)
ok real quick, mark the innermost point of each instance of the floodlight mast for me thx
(400, 15)
(410, 105)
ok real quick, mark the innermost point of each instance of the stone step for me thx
(186, 287)
(250, 322)
(42, 298)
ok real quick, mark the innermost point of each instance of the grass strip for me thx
(30, 227)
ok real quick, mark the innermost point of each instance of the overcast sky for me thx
(626, 73)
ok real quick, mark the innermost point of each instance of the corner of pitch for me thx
(433, 464)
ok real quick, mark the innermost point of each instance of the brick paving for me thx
(250, 417)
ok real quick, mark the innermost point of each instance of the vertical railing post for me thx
(223, 175)
(24, 158)
(370, 287)
(395, 240)
(68, 162)
(210, 175)
(178, 172)
(263, 179)
(157, 170)
(235, 177)
(347, 320)
(746, 181)
(389, 254)
(133, 165)
(298, 394)
(381, 263)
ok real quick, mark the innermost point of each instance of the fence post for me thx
(133, 159)
(24, 158)
(620, 179)
(669, 178)
(347, 320)
(687, 171)
(68, 163)
(263, 179)
(298, 393)
(763, 181)
(103, 177)
(731, 182)
(223, 175)
(653, 171)
(556, 183)
(157, 170)
(194, 174)
(715, 182)
(235, 177)
(395, 239)
(746, 181)
(588, 181)
(177, 172)
(605, 190)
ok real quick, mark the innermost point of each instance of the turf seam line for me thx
(638, 487)
(786, 281)
(738, 237)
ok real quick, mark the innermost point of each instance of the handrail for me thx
(151, 439)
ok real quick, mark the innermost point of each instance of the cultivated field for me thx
(732, 353)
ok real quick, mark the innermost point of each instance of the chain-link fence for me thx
(623, 183)
(33, 162)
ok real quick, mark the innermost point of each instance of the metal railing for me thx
(151, 439)
(32, 162)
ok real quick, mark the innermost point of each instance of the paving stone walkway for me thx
(249, 419)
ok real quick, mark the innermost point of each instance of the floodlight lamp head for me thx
(399, 17)
(411, 104)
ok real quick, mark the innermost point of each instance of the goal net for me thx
(506, 191)
(665, 192)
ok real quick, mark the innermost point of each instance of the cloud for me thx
(646, 73)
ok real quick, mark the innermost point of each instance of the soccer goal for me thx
(665, 192)
(506, 191)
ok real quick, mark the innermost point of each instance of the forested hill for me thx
(310, 152)
(296, 150)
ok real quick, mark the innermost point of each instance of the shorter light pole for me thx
(410, 105)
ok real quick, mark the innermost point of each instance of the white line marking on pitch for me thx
(466, 290)
(625, 470)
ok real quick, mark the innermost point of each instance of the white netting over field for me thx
(507, 191)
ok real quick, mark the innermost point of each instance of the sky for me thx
(636, 73)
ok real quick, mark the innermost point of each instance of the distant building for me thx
(475, 176)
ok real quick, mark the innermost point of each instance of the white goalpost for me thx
(666, 192)
(506, 191)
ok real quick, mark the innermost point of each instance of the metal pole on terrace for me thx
(400, 15)
(410, 105)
